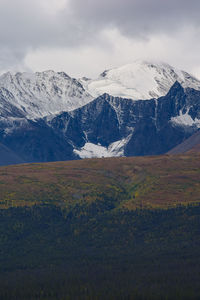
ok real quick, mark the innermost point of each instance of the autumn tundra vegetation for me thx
(112, 228)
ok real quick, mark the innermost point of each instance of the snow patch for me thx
(185, 120)
(90, 150)
(12, 123)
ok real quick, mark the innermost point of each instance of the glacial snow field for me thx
(140, 80)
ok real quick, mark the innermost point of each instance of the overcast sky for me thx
(84, 37)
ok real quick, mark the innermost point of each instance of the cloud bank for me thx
(77, 35)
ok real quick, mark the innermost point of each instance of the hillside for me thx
(112, 228)
(8, 157)
(135, 182)
(191, 144)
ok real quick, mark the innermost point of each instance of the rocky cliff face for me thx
(144, 127)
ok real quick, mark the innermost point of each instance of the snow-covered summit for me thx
(43, 93)
(139, 80)
(35, 95)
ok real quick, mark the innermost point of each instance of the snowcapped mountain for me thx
(40, 94)
(50, 116)
(36, 95)
(140, 80)
(107, 126)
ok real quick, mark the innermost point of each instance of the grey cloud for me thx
(24, 25)
(10, 58)
(138, 17)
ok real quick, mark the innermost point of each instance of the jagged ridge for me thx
(40, 94)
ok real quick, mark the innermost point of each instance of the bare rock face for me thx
(143, 127)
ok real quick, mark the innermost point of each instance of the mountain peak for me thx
(140, 80)
(44, 93)
(175, 86)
